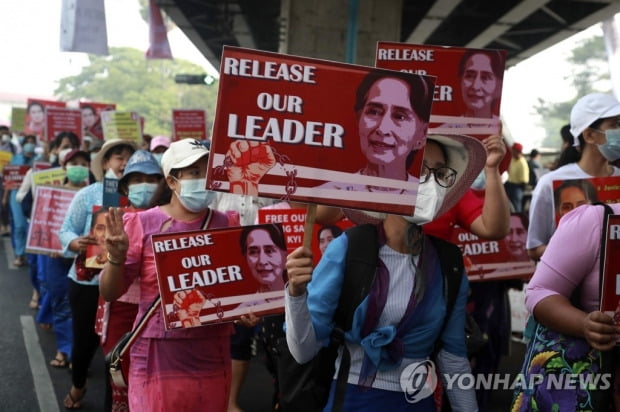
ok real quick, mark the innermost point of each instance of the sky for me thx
(32, 61)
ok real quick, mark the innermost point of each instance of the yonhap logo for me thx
(418, 380)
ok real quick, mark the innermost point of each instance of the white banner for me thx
(83, 27)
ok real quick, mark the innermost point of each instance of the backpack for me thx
(306, 387)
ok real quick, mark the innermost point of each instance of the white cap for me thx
(182, 153)
(589, 109)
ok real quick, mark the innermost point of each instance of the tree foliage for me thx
(134, 83)
(590, 73)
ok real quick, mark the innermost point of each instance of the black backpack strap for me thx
(452, 267)
(360, 268)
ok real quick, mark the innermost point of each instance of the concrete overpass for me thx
(318, 28)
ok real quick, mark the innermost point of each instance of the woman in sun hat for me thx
(407, 287)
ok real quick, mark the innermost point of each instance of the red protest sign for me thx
(218, 275)
(91, 118)
(496, 259)
(571, 193)
(315, 131)
(189, 124)
(293, 220)
(13, 176)
(63, 120)
(48, 212)
(469, 83)
(610, 295)
(35, 117)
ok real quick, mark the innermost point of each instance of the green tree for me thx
(589, 74)
(134, 83)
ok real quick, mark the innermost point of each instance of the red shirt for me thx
(462, 214)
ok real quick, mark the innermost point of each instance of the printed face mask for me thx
(428, 202)
(77, 174)
(611, 148)
(194, 197)
(141, 194)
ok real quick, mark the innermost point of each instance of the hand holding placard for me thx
(249, 163)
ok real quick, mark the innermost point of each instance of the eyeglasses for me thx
(444, 176)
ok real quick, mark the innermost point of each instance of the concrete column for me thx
(318, 28)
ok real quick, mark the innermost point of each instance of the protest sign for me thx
(208, 276)
(50, 177)
(18, 118)
(13, 176)
(292, 221)
(307, 130)
(5, 158)
(610, 287)
(571, 193)
(35, 121)
(60, 119)
(189, 124)
(469, 86)
(121, 125)
(469, 83)
(111, 196)
(496, 259)
(91, 118)
(49, 208)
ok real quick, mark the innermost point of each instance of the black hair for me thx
(30, 137)
(421, 89)
(73, 138)
(275, 233)
(336, 231)
(118, 150)
(96, 213)
(442, 147)
(570, 154)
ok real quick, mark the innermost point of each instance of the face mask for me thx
(77, 174)
(158, 157)
(6, 138)
(611, 149)
(110, 174)
(194, 197)
(53, 158)
(141, 194)
(427, 203)
(480, 182)
(28, 148)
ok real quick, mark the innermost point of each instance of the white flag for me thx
(83, 27)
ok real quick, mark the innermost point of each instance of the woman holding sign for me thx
(404, 319)
(578, 339)
(183, 369)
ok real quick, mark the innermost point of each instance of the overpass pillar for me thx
(318, 28)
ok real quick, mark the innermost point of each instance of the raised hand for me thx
(299, 270)
(116, 239)
(250, 161)
(496, 150)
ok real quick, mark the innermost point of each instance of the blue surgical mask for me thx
(611, 148)
(77, 174)
(141, 194)
(194, 197)
(158, 157)
(28, 148)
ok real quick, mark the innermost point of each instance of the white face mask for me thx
(110, 174)
(428, 202)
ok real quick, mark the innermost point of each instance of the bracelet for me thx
(114, 262)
